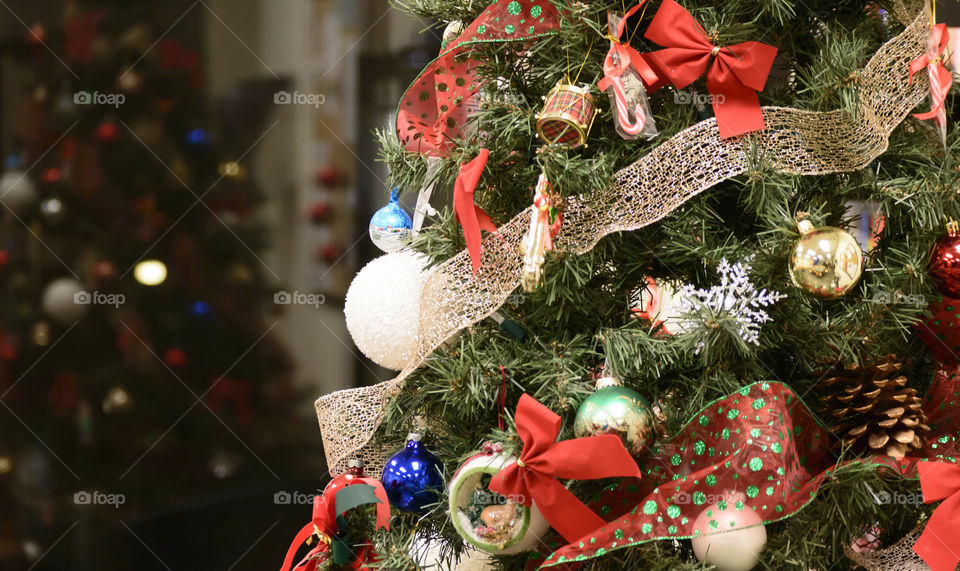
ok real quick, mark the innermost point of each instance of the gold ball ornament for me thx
(826, 262)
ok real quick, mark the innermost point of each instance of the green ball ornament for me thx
(615, 409)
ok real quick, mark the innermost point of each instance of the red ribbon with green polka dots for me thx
(433, 109)
(761, 443)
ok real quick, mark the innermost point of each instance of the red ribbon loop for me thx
(543, 460)
(937, 545)
(940, 77)
(734, 73)
(472, 218)
(321, 521)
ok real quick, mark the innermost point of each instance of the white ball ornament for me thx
(730, 539)
(383, 308)
(65, 300)
(486, 520)
(17, 191)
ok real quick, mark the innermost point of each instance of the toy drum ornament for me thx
(567, 116)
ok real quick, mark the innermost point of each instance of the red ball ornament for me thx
(175, 357)
(107, 132)
(4, 258)
(319, 212)
(36, 35)
(50, 175)
(104, 270)
(353, 475)
(328, 177)
(944, 263)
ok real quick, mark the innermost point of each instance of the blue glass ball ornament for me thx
(391, 227)
(413, 477)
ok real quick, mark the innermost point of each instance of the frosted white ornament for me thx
(17, 191)
(383, 308)
(65, 300)
(735, 539)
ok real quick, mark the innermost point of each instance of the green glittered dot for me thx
(699, 447)
(601, 551)
(752, 491)
(699, 498)
(738, 506)
(776, 447)
(769, 490)
(530, 30)
(536, 11)
(423, 95)
(673, 511)
(704, 420)
(725, 434)
(441, 87)
(460, 82)
(672, 529)
(650, 507)
(756, 464)
(646, 528)
(604, 510)
(733, 413)
(675, 460)
(509, 28)
(713, 524)
(481, 29)
(514, 8)
(722, 505)
(758, 404)
(779, 508)
(618, 534)
(711, 480)
(755, 433)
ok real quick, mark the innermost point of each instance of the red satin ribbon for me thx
(938, 545)
(472, 218)
(940, 78)
(621, 56)
(734, 73)
(534, 476)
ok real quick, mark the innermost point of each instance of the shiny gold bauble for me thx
(826, 262)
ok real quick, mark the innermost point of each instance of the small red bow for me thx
(472, 218)
(938, 544)
(734, 73)
(940, 78)
(534, 476)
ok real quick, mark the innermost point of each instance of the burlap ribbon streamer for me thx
(794, 141)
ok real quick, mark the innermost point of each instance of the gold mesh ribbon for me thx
(898, 557)
(794, 141)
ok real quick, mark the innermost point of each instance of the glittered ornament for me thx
(944, 263)
(615, 409)
(391, 227)
(413, 477)
(729, 535)
(489, 521)
(17, 191)
(826, 262)
(382, 308)
(65, 300)
(941, 332)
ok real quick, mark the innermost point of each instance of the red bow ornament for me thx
(534, 476)
(940, 77)
(938, 544)
(734, 73)
(472, 218)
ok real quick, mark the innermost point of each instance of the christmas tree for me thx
(725, 209)
(139, 371)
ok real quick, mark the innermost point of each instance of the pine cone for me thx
(871, 409)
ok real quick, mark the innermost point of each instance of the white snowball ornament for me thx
(486, 520)
(17, 191)
(730, 539)
(383, 308)
(65, 300)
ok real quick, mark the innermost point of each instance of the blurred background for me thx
(185, 194)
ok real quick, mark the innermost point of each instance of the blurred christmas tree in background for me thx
(137, 357)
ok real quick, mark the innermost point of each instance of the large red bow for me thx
(734, 76)
(472, 218)
(938, 545)
(534, 476)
